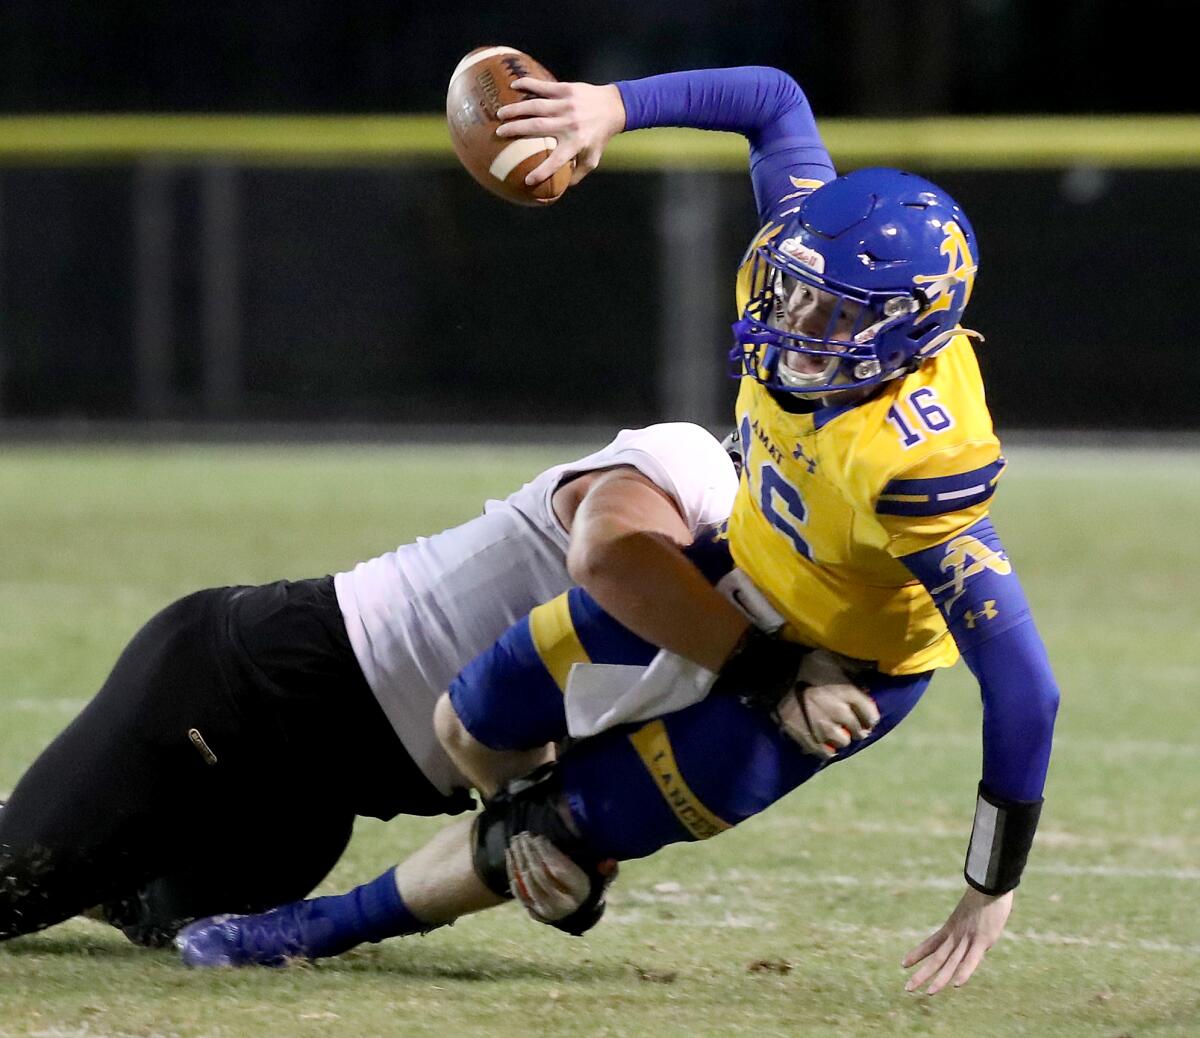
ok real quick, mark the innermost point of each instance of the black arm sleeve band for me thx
(1000, 841)
(761, 670)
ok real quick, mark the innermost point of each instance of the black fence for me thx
(401, 293)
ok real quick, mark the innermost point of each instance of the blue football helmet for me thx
(865, 281)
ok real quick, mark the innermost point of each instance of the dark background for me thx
(401, 293)
(854, 57)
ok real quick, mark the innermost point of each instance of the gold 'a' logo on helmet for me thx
(960, 270)
(965, 556)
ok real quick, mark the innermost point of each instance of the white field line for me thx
(1046, 838)
(1114, 872)
(676, 894)
(1124, 748)
(1032, 937)
(46, 705)
(730, 920)
(1186, 875)
(86, 1031)
(1160, 843)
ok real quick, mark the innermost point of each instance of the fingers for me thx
(831, 718)
(795, 723)
(826, 719)
(956, 950)
(541, 127)
(844, 717)
(585, 162)
(530, 118)
(867, 712)
(835, 735)
(543, 879)
(952, 963)
(924, 948)
(964, 957)
(581, 118)
(541, 87)
(854, 710)
(845, 705)
(540, 119)
(560, 872)
(970, 963)
(934, 961)
(515, 866)
(553, 162)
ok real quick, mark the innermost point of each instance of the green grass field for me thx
(795, 923)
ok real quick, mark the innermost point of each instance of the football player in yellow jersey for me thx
(862, 419)
(869, 462)
(870, 458)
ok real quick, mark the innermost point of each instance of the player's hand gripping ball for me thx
(482, 83)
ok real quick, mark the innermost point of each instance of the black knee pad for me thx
(531, 804)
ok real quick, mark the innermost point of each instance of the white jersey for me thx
(417, 615)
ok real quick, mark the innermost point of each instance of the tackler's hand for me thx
(547, 882)
(581, 117)
(827, 718)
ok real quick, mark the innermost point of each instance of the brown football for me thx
(481, 83)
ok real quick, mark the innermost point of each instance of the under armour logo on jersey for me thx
(966, 556)
(960, 271)
(799, 455)
(988, 612)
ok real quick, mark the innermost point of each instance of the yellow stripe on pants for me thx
(653, 745)
(555, 639)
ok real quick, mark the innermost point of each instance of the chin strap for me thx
(940, 341)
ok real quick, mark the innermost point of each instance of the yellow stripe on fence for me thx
(993, 142)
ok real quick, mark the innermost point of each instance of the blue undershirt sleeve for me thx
(765, 105)
(974, 585)
(1020, 700)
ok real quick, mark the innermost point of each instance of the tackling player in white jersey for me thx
(274, 715)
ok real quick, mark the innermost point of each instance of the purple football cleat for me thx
(270, 939)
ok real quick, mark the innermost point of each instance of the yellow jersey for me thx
(830, 501)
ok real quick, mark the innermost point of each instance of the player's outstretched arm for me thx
(973, 582)
(765, 105)
(952, 954)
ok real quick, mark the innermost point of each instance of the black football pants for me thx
(219, 769)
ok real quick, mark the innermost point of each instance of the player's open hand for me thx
(582, 117)
(953, 953)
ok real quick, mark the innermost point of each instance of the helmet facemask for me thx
(867, 279)
(803, 332)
